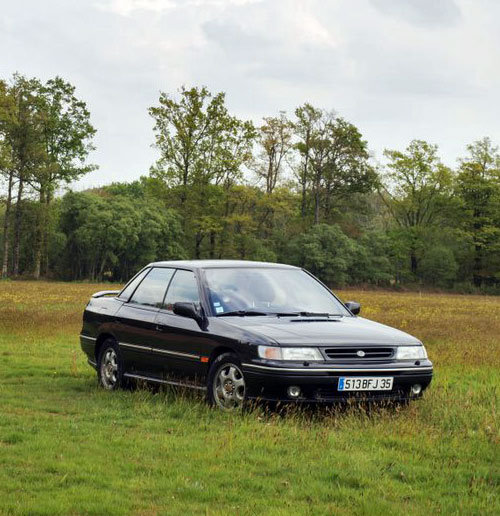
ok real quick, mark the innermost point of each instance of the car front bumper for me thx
(269, 380)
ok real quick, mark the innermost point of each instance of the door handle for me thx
(159, 328)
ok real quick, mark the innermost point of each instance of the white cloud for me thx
(128, 7)
(398, 69)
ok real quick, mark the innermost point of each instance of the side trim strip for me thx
(168, 382)
(157, 350)
(134, 346)
(92, 363)
(337, 370)
(88, 338)
(175, 353)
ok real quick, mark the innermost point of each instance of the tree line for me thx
(300, 189)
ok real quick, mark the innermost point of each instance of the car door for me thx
(183, 347)
(135, 322)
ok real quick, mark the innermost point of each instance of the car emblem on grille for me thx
(360, 353)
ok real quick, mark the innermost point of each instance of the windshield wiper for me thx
(241, 313)
(318, 314)
(307, 314)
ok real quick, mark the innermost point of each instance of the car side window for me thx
(129, 289)
(183, 288)
(152, 289)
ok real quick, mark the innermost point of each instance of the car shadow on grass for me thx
(306, 411)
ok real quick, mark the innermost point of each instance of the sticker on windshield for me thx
(219, 309)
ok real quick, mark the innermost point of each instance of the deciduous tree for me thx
(20, 130)
(333, 159)
(478, 187)
(201, 145)
(275, 140)
(415, 187)
(66, 137)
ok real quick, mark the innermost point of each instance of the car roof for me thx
(219, 264)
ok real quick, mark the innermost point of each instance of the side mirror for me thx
(188, 310)
(354, 307)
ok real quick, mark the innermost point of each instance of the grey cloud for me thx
(234, 38)
(281, 41)
(428, 13)
(266, 57)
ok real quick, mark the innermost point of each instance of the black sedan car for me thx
(247, 330)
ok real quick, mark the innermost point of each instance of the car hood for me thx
(338, 331)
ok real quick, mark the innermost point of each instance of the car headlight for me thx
(275, 353)
(410, 353)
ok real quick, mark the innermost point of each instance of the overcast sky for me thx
(398, 69)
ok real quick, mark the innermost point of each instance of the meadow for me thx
(69, 448)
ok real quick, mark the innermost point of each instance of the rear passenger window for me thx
(129, 289)
(152, 290)
(183, 288)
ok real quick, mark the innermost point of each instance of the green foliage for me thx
(203, 149)
(48, 134)
(478, 189)
(372, 261)
(325, 251)
(415, 187)
(66, 135)
(333, 160)
(439, 267)
(114, 236)
(275, 138)
(300, 190)
(199, 141)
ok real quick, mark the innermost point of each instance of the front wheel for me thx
(110, 366)
(226, 383)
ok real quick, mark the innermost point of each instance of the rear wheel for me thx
(226, 383)
(110, 366)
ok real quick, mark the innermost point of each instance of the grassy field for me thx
(68, 448)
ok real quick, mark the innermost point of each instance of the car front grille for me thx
(359, 353)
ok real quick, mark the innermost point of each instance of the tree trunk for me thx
(242, 247)
(413, 262)
(45, 250)
(17, 226)
(269, 178)
(199, 240)
(304, 182)
(212, 245)
(478, 258)
(6, 228)
(101, 269)
(40, 235)
(316, 206)
(478, 262)
(303, 201)
(185, 176)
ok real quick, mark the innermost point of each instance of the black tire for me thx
(110, 366)
(226, 383)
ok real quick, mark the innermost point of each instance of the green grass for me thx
(67, 447)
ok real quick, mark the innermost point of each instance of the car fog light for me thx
(293, 391)
(416, 389)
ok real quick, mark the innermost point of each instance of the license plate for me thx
(365, 383)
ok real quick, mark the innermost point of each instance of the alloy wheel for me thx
(109, 369)
(229, 387)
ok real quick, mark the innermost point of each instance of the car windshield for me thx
(261, 291)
